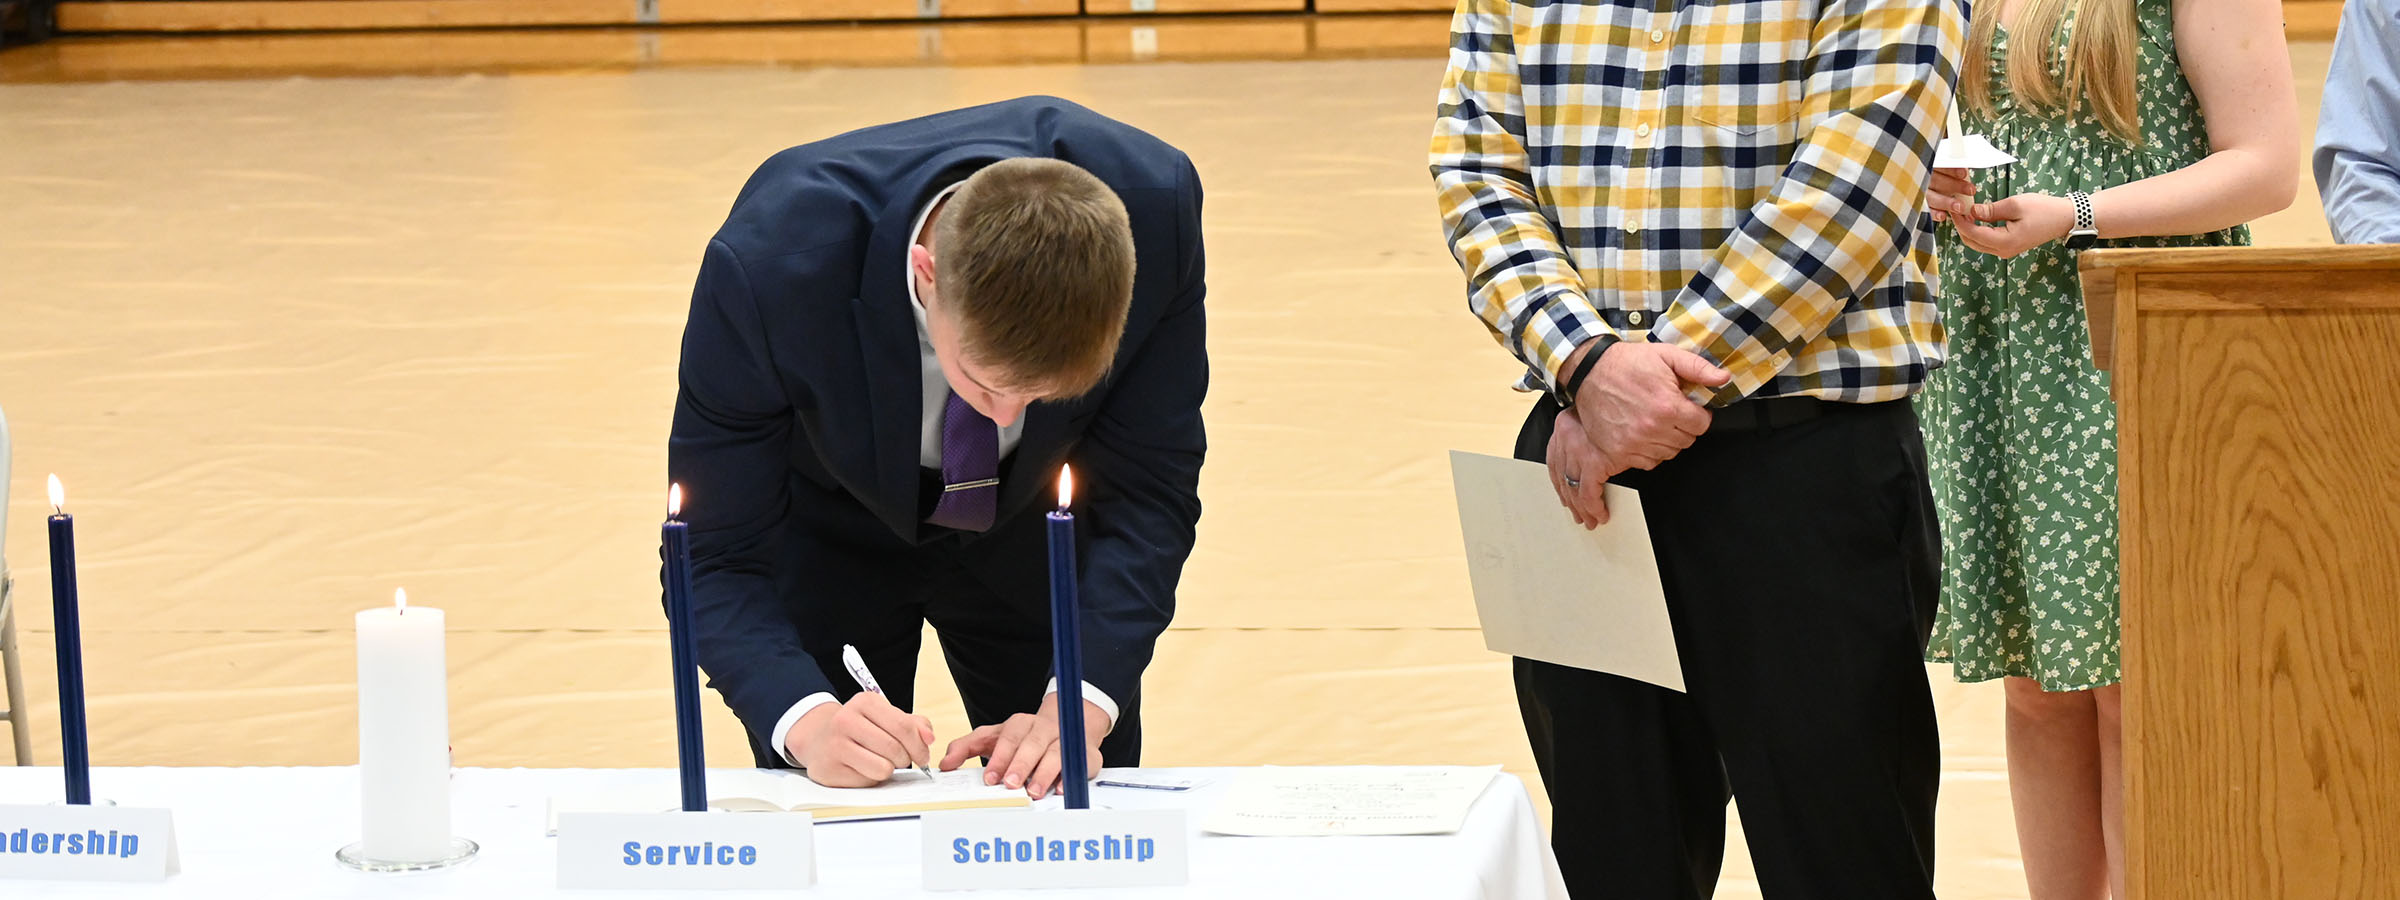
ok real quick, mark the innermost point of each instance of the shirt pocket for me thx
(1739, 67)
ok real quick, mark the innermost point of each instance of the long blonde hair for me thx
(2100, 60)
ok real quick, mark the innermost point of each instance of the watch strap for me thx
(1565, 395)
(2086, 232)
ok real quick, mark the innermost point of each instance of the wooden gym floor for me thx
(295, 339)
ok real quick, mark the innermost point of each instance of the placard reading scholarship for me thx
(1055, 849)
(87, 843)
(691, 851)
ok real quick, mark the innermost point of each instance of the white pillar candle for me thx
(403, 734)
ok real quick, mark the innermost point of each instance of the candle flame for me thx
(400, 600)
(1066, 486)
(58, 493)
(674, 499)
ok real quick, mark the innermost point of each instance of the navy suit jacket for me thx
(797, 419)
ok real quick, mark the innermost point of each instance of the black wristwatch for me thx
(1565, 395)
(2085, 233)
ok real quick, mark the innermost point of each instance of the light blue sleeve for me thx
(2358, 130)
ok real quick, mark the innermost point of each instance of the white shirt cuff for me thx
(1098, 697)
(791, 717)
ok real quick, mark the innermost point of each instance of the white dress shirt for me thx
(929, 454)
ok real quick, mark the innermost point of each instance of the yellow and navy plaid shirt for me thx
(1741, 178)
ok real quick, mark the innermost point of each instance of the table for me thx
(251, 832)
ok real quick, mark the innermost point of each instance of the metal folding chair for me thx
(19, 732)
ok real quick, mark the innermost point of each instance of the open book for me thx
(909, 793)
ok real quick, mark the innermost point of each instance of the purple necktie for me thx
(970, 469)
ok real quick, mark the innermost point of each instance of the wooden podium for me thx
(2258, 404)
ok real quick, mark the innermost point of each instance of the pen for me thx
(866, 682)
(1147, 787)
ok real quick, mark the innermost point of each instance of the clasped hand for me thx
(860, 743)
(1632, 412)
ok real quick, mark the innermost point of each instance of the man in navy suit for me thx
(898, 337)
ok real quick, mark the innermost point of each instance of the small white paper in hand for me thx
(1969, 152)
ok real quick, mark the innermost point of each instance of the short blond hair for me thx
(1035, 258)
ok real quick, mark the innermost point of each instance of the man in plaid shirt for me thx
(1700, 224)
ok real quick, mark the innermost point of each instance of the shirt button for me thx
(1634, 318)
(1632, 225)
(1642, 130)
(1657, 36)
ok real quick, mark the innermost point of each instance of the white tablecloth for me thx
(247, 833)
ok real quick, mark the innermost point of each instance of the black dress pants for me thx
(1801, 566)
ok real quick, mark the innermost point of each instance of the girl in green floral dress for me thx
(2170, 122)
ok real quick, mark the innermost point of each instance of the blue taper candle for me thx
(1066, 644)
(689, 758)
(74, 738)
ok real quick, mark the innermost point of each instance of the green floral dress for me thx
(2019, 426)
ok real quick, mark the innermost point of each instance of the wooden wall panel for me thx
(980, 43)
(322, 15)
(1207, 39)
(1351, 6)
(2306, 19)
(730, 11)
(1036, 41)
(366, 53)
(2311, 20)
(1173, 7)
(346, 15)
(386, 53)
(1415, 35)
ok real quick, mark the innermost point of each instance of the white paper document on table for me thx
(1547, 589)
(786, 790)
(1281, 801)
